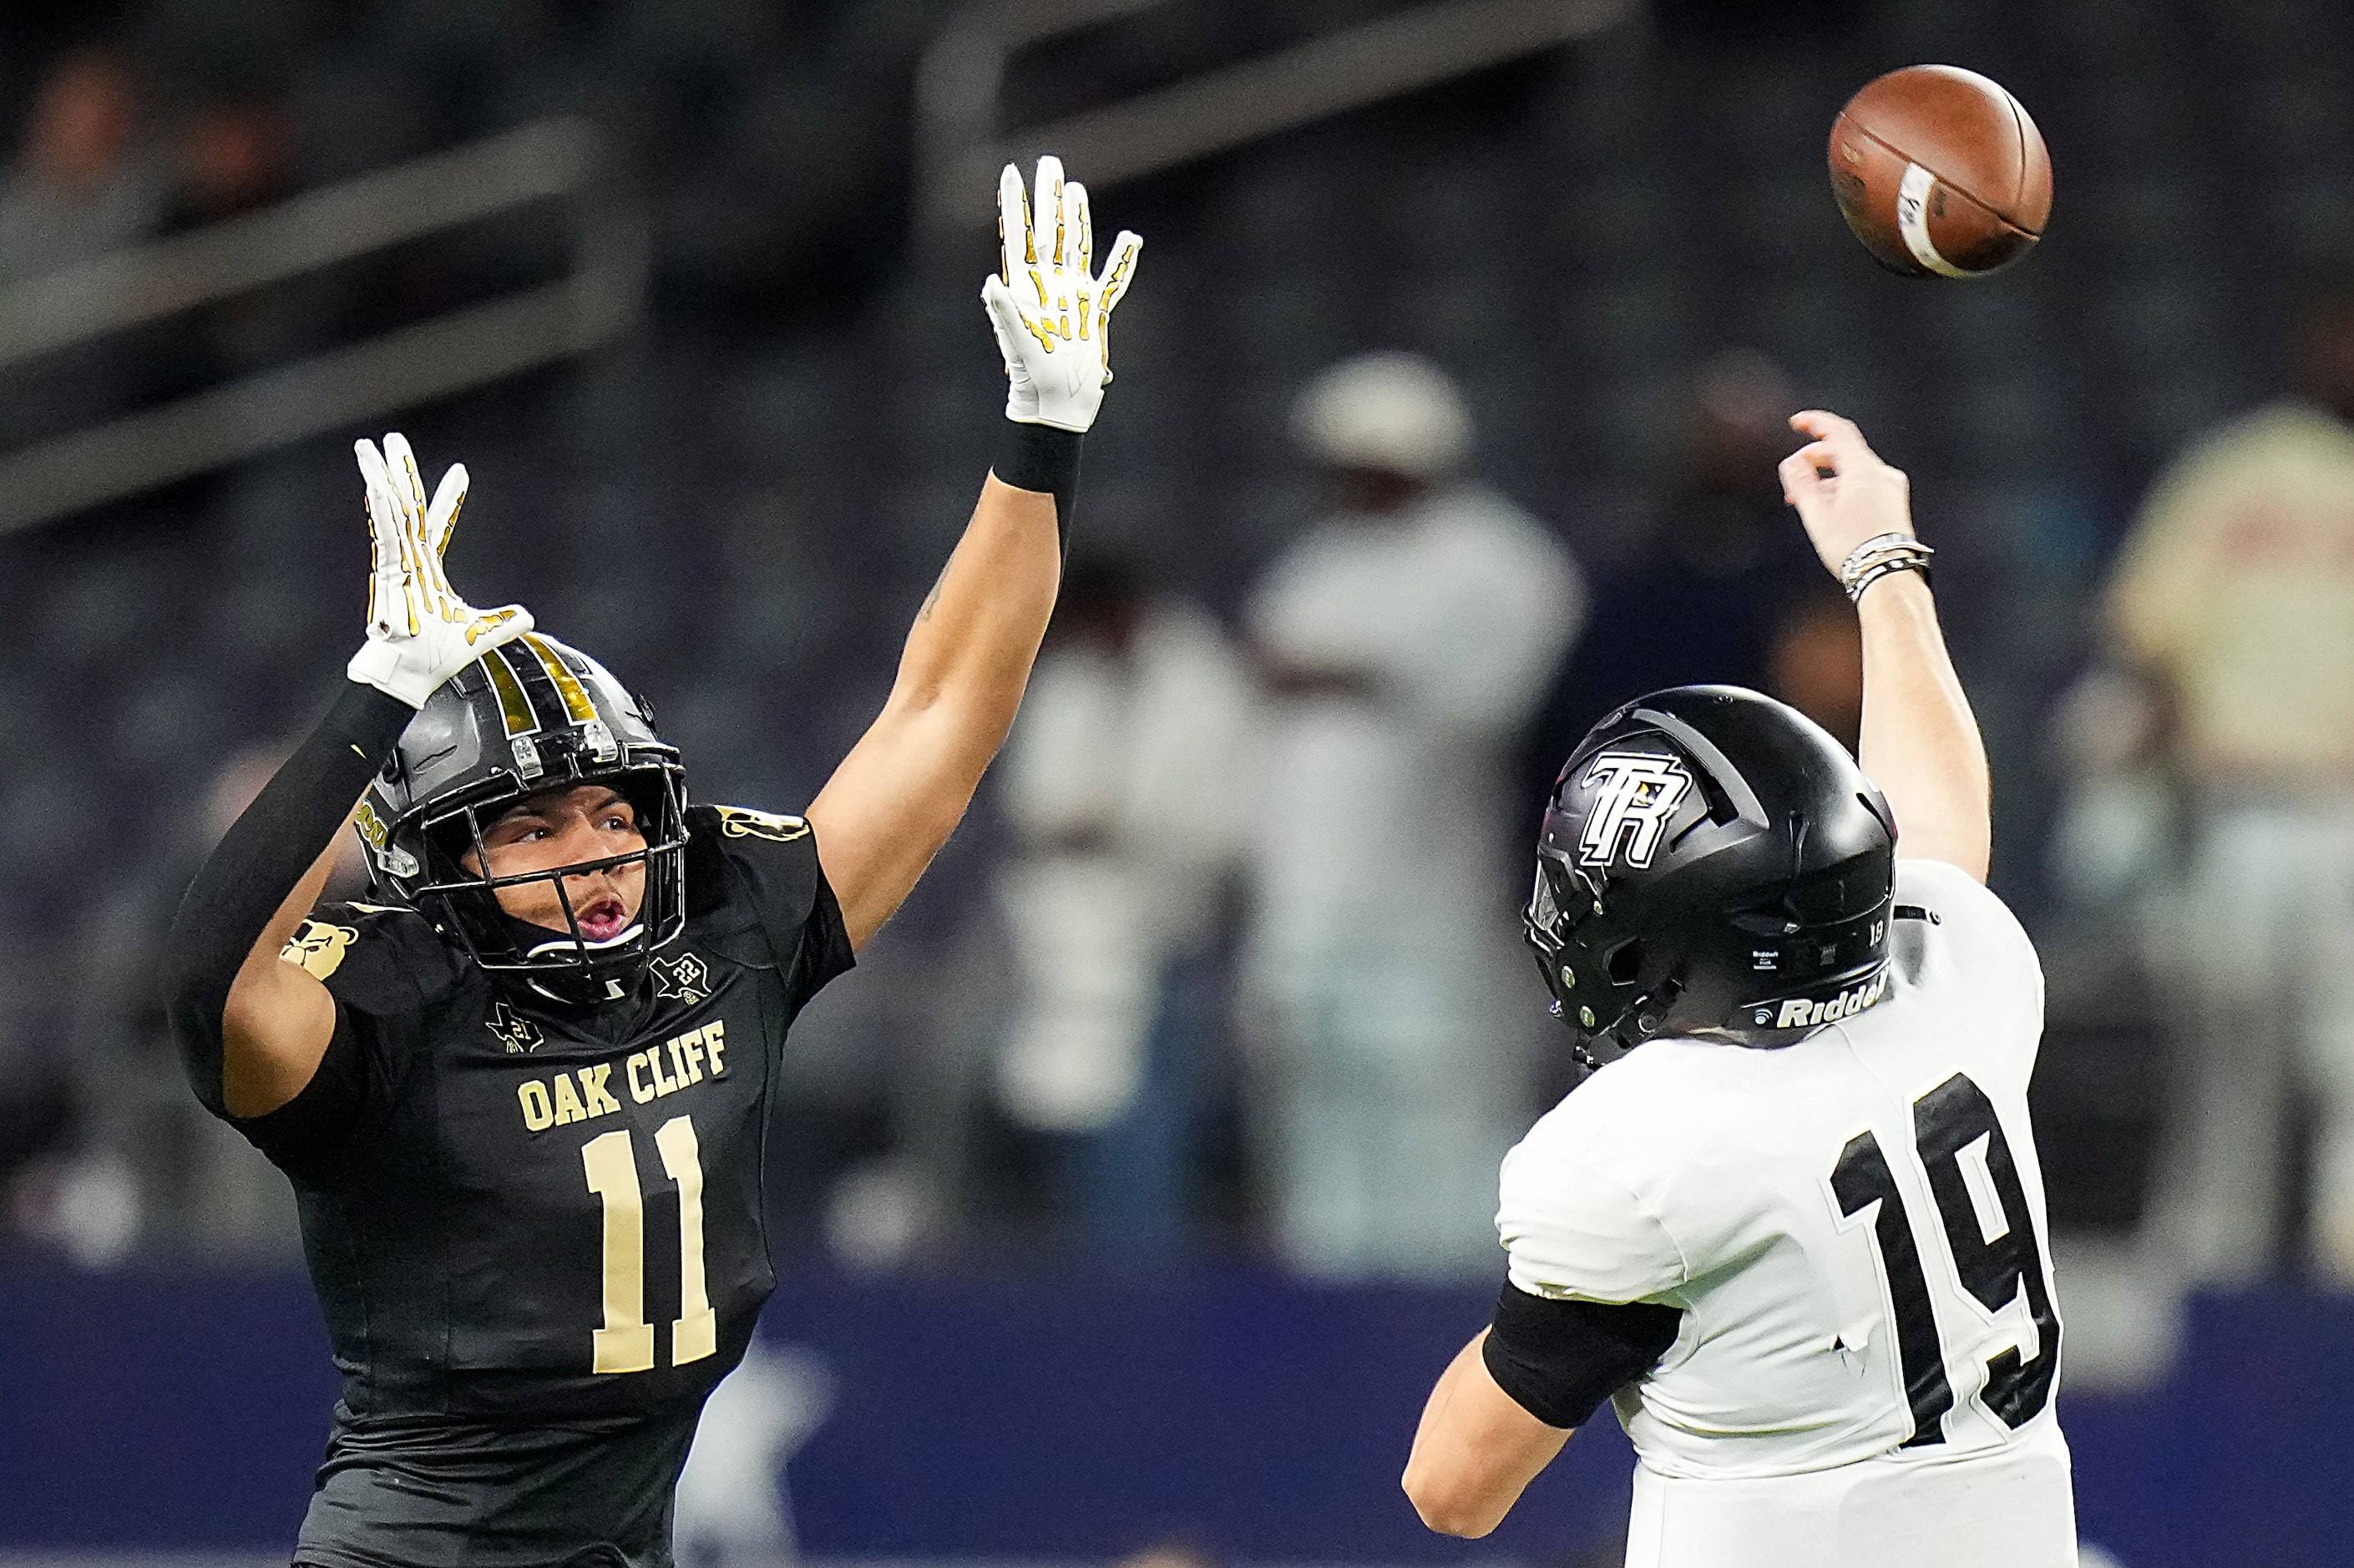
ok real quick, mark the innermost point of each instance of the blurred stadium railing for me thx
(961, 143)
(556, 159)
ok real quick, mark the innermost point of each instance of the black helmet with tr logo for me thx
(1711, 863)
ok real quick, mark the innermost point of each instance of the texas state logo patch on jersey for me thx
(318, 948)
(685, 978)
(740, 823)
(511, 1029)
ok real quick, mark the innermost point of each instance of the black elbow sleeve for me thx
(258, 862)
(1559, 1359)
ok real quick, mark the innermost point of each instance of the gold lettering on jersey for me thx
(585, 1094)
(740, 823)
(593, 1093)
(318, 948)
(568, 1109)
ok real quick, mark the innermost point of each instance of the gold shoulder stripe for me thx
(318, 948)
(577, 701)
(739, 822)
(512, 701)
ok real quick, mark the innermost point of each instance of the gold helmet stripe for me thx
(512, 701)
(576, 700)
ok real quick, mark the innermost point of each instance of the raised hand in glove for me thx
(419, 632)
(1052, 314)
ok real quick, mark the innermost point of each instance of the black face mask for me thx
(559, 963)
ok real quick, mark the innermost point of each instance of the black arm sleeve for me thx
(1558, 1360)
(259, 862)
(1043, 459)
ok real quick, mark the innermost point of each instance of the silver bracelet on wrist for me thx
(1879, 557)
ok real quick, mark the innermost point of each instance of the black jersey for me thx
(536, 1230)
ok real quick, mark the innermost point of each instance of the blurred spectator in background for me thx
(1124, 786)
(39, 1132)
(2235, 596)
(733, 1509)
(235, 155)
(1723, 589)
(188, 1183)
(81, 185)
(1403, 641)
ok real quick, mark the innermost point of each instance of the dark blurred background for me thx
(1448, 404)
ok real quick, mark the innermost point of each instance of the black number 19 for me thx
(1946, 1120)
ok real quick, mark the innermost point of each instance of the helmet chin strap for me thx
(1645, 1014)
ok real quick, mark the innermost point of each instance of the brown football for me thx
(1940, 172)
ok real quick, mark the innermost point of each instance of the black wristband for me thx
(259, 861)
(1044, 459)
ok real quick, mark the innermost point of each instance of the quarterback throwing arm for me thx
(1794, 1229)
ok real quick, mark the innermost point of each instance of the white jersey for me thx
(1854, 1228)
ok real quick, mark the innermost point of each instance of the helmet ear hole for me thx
(1626, 961)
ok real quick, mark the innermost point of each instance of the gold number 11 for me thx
(626, 1342)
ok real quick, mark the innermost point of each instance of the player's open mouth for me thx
(603, 920)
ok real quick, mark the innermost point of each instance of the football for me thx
(1941, 173)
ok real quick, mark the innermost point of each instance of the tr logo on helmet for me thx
(1639, 793)
(1644, 928)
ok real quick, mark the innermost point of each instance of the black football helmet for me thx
(528, 718)
(1711, 863)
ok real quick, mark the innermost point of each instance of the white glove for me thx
(419, 631)
(1052, 316)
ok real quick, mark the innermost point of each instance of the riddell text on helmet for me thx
(1797, 1012)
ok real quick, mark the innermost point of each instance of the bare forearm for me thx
(1475, 1451)
(903, 789)
(978, 631)
(1921, 742)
